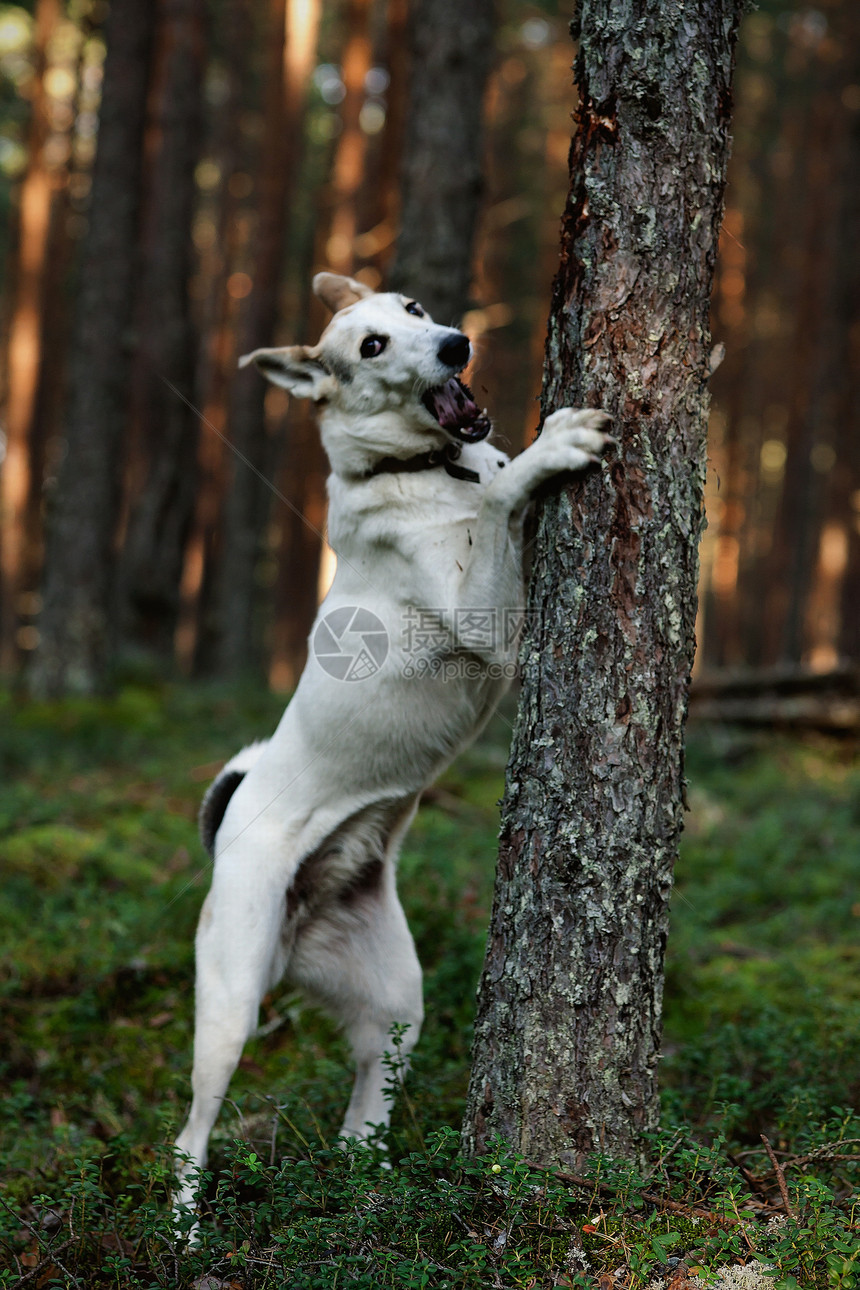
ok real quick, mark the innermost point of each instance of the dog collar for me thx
(445, 457)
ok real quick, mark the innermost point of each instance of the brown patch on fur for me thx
(365, 883)
(348, 864)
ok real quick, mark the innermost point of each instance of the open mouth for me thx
(454, 407)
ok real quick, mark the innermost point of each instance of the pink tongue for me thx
(454, 410)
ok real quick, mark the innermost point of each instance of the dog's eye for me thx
(414, 308)
(372, 345)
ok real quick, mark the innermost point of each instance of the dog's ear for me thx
(336, 291)
(296, 368)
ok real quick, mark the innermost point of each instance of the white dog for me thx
(411, 651)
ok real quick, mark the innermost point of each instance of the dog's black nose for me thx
(455, 350)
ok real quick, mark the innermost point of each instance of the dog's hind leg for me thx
(358, 958)
(237, 948)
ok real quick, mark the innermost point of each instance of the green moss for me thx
(103, 879)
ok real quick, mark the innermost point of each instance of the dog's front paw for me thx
(584, 429)
(571, 440)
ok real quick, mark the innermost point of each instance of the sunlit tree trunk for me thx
(49, 403)
(25, 341)
(76, 623)
(569, 1012)
(333, 244)
(68, 57)
(451, 46)
(166, 426)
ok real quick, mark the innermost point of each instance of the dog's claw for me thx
(581, 428)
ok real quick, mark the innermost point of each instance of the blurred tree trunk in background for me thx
(301, 524)
(778, 556)
(569, 1013)
(228, 579)
(381, 189)
(451, 47)
(787, 572)
(304, 558)
(350, 156)
(292, 50)
(361, 193)
(303, 466)
(825, 616)
(166, 427)
(301, 530)
(49, 403)
(75, 623)
(25, 342)
(518, 244)
(222, 237)
(848, 410)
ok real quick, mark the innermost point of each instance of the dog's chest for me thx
(404, 533)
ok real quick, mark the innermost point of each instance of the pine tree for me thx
(568, 1028)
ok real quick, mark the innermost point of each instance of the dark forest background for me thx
(172, 172)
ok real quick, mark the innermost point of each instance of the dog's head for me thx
(381, 354)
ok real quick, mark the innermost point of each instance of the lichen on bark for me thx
(569, 1008)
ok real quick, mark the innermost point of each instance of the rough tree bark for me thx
(568, 1026)
(75, 622)
(451, 45)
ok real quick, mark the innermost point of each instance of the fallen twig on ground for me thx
(780, 1176)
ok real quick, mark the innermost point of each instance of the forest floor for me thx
(102, 882)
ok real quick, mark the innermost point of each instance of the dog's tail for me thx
(221, 789)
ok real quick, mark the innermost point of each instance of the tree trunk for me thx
(167, 427)
(25, 341)
(789, 569)
(75, 624)
(451, 46)
(569, 1010)
(295, 589)
(248, 501)
(350, 157)
(848, 431)
(226, 220)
